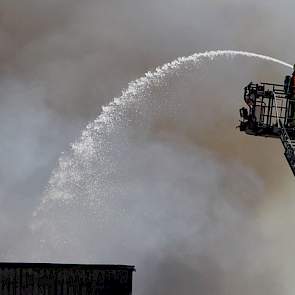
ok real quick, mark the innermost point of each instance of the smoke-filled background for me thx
(175, 189)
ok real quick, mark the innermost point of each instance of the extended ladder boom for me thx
(289, 146)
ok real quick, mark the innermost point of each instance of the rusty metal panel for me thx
(65, 279)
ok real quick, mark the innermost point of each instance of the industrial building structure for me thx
(65, 279)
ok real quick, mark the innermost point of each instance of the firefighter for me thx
(292, 82)
(291, 97)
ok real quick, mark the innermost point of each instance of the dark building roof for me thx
(64, 266)
(65, 279)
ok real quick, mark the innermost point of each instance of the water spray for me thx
(91, 140)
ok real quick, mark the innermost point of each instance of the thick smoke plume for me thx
(196, 206)
(141, 194)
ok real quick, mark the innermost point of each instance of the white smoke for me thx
(61, 60)
(134, 192)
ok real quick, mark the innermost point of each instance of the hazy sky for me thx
(62, 60)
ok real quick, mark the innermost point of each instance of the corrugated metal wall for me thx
(39, 279)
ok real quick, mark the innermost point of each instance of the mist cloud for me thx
(61, 60)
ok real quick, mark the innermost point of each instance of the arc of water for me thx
(134, 92)
(136, 87)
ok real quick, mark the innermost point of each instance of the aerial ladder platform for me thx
(270, 112)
